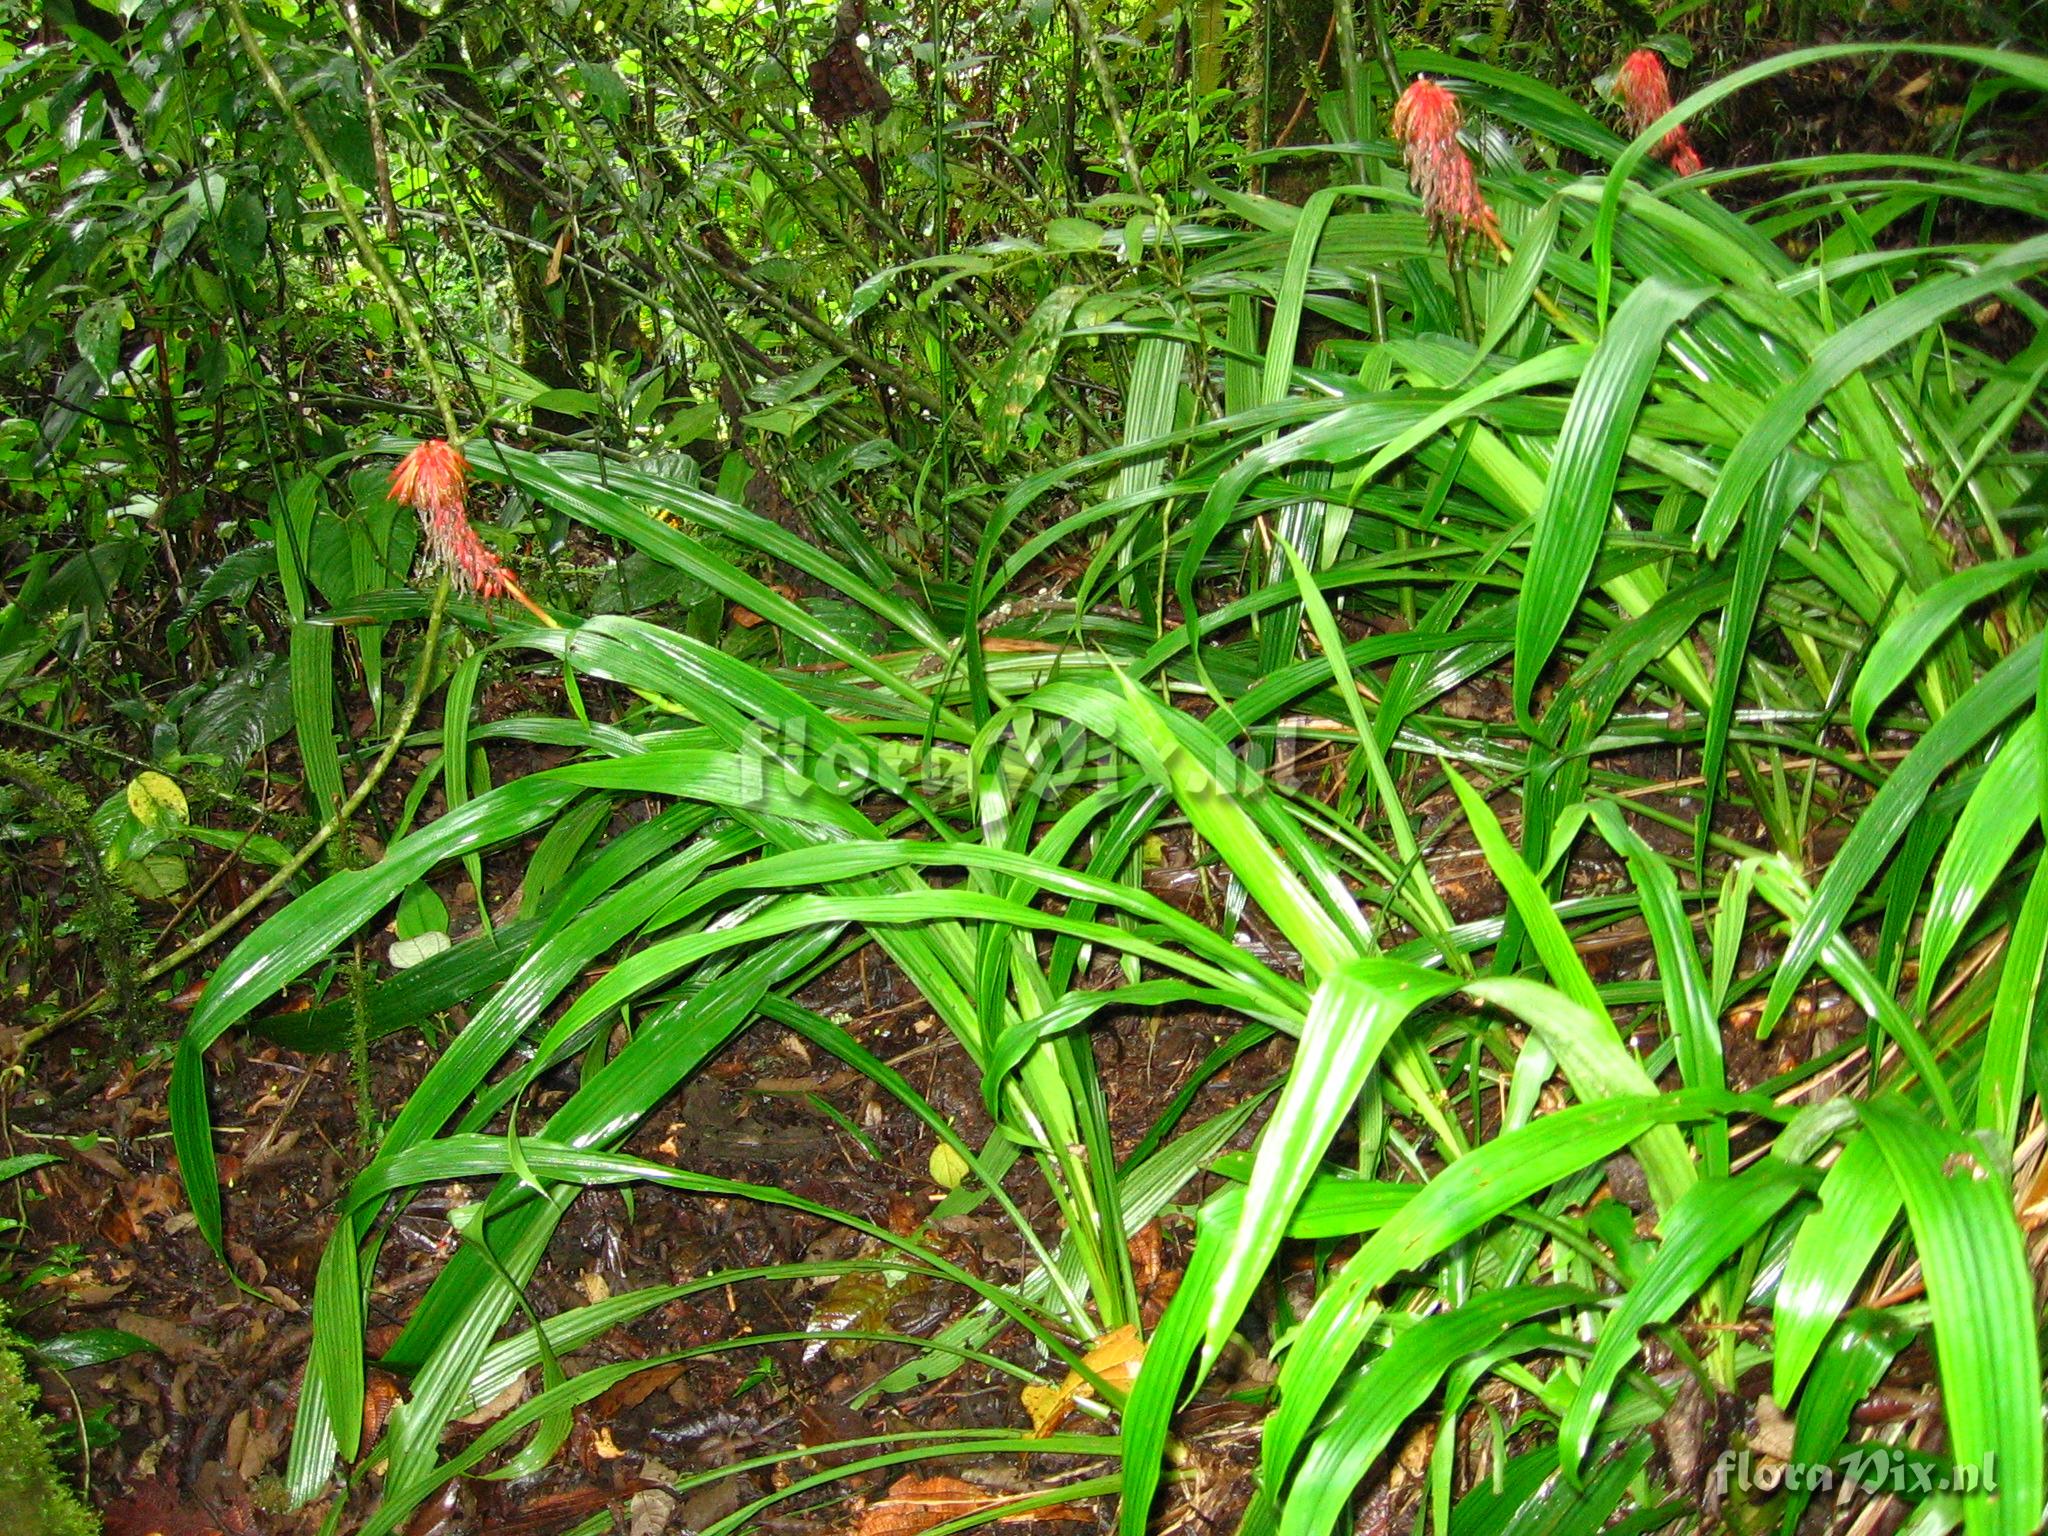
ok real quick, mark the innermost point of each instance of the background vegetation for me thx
(1546, 695)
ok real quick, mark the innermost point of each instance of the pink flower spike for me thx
(1645, 92)
(1425, 124)
(431, 477)
(1644, 88)
(432, 480)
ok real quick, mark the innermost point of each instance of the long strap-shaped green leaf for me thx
(2002, 1078)
(1578, 496)
(1859, 1201)
(1471, 1192)
(1973, 862)
(1350, 1021)
(312, 678)
(283, 949)
(1790, 481)
(1855, 347)
(1960, 1206)
(1386, 1391)
(1716, 1217)
(1909, 636)
(2021, 66)
(1983, 709)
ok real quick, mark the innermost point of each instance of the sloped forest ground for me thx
(1270, 770)
(198, 1423)
(191, 1434)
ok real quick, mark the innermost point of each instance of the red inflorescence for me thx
(1645, 94)
(431, 480)
(1425, 122)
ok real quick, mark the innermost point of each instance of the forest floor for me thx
(190, 1436)
(194, 1431)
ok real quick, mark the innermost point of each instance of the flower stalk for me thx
(1426, 123)
(359, 234)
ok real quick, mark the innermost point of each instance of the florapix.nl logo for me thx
(1864, 1470)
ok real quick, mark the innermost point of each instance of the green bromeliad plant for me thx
(1590, 434)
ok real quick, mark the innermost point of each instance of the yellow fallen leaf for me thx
(1115, 1358)
(155, 800)
(948, 1167)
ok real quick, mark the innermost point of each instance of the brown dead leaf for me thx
(1009, 645)
(917, 1504)
(827, 1423)
(1157, 1296)
(248, 1262)
(498, 1406)
(178, 1344)
(1073, 1514)
(1413, 1460)
(1048, 1407)
(904, 1215)
(746, 618)
(2034, 1203)
(269, 1149)
(561, 249)
(1146, 1256)
(259, 1445)
(633, 1391)
(117, 1227)
(154, 1194)
(1773, 1435)
(93, 1155)
(83, 1290)
(648, 1512)
(381, 1394)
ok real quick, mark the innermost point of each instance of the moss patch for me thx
(34, 1499)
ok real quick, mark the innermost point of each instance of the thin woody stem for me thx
(1091, 46)
(359, 234)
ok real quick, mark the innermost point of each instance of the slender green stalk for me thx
(1091, 48)
(359, 234)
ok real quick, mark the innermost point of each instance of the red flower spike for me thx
(432, 477)
(1425, 124)
(432, 480)
(1645, 93)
